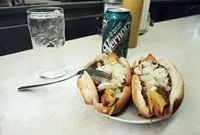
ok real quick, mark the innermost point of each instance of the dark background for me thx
(82, 17)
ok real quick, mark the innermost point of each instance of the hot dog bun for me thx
(107, 96)
(157, 87)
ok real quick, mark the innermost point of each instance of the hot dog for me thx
(107, 96)
(157, 87)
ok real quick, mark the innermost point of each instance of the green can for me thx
(116, 31)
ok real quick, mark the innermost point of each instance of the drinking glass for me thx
(47, 30)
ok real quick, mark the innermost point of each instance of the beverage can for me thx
(116, 31)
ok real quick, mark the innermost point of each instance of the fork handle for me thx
(28, 87)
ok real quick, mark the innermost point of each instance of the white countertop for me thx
(59, 109)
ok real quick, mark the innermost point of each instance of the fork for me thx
(96, 74)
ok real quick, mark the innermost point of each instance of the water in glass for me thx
(47, 30)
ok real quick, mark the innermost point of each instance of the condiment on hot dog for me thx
(107, 96)
(157, 87)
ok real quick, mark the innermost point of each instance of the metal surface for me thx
(96, 74)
